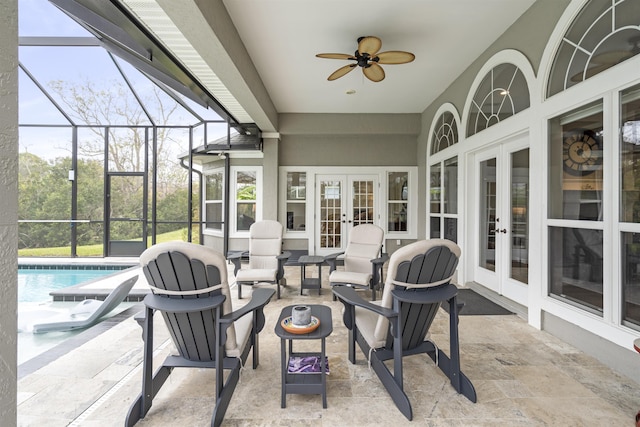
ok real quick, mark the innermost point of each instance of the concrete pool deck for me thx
(523, 377)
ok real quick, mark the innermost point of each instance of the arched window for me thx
(603, 34)
(445, 132)
(502, 93)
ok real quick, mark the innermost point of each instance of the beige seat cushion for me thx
(340, 276)
(257, 275)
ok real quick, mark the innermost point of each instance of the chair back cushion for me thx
(182, 266)
(365, 243)
(425, 263)
(265, 244)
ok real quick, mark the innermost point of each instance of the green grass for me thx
(93, 250)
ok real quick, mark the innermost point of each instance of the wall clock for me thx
(581, 152)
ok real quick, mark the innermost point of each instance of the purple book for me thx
(306, 365)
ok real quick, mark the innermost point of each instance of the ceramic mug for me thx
(301, 315)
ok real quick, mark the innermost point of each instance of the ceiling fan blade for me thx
(374, 72)
(370, 45)
(341, 71)
(335, 56)
(591, 71)
(611, 58)
(395, 57)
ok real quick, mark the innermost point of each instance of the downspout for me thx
(190, 201)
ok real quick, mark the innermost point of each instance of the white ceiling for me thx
(283, 36)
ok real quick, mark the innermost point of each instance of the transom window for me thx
(445, 132)
(502, 93)
(604, 34)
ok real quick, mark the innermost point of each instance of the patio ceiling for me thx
(257, 57)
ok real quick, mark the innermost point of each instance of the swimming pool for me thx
(36, 282)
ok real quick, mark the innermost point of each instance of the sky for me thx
(75, 66)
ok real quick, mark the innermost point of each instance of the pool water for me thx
(34, 284)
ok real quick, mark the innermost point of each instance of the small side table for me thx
(308, 383)
(310, 282)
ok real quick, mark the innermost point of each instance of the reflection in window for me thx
(631, 278)
(630, 156)
(575, 164)
(246, 186)
(520, 216)
(575, 266)
(214, 196)
(296, 200)
(443, 199)
(397, 200)
(502, 93)
(451, 186)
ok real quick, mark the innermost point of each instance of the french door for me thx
(501, 206)
(342, 202)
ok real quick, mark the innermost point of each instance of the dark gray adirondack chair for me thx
(190, 288)
(418, 282)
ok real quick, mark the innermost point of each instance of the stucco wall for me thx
(8, 208)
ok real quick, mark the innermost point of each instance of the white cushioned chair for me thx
(363, 260)
(266, 258)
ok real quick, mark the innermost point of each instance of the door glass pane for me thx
(330, 213)
(575, 266)
(451, 186)
(126, 205)
(630, 156)
(575, 165)
(488, 214)
(362, 202)
(451, 229)
(520, 216)
(631, 278)
(435, 227)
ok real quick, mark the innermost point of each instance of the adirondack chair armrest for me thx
(181, 305)
(379, 262)
(259, 298)
(235, 259)
(284, 256)
(348, 295)
(331, 259)
(282, 259)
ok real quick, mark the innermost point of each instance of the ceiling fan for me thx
(608, 59)
(368, 58)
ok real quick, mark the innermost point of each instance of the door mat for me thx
(476, 305)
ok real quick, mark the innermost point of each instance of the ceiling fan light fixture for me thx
(350, 91)
(368, 58)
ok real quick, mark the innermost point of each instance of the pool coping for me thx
(43, 359)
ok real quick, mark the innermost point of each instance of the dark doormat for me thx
(476, 305)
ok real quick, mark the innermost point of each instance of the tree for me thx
(45, 190)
